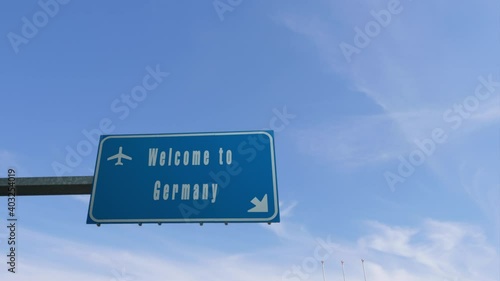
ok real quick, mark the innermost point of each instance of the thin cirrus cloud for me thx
(400, 70)
(432, 250)
(436, 248)
(480, 185)
(353, 141)
(413, 70)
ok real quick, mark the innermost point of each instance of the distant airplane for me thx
(119, 156)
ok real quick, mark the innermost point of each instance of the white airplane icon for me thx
(119, 156)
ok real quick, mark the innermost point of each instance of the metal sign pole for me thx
(49, 186)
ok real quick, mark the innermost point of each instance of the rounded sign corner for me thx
(276, 213)
(105, 139)
(91, 216)
(271, 138)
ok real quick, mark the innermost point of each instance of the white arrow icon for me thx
(260, 205)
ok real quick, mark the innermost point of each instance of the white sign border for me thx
(187, 220)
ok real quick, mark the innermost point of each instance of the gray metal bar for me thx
(49, 186)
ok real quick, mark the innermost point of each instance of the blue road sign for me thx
(193, 177)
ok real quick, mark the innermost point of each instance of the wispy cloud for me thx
(353, 141)
(386, 72)
(439, 249)
(479, 184)
(286, 209)
(433, 250)
(288, 229)
(414, 71)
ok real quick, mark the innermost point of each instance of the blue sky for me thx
(419, 73)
